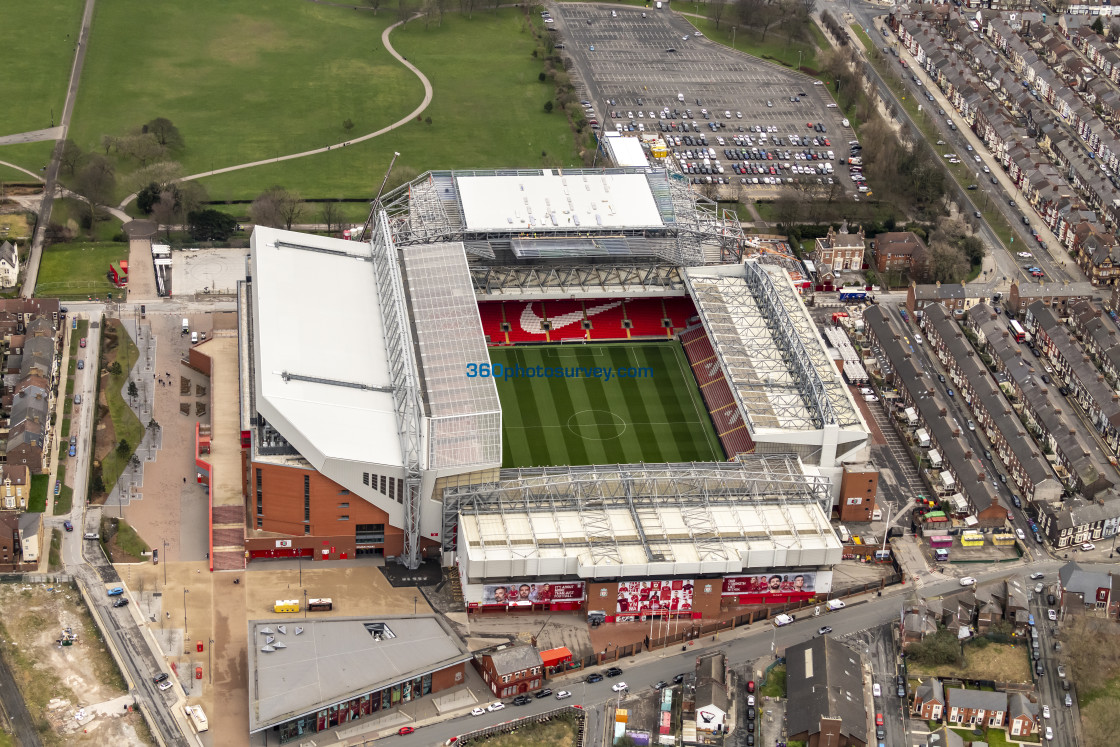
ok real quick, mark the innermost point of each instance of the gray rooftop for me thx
(338, 658)
(515, 659)
(824, 679)
(976, 699)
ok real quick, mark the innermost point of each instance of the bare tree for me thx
(1098, 721)
(166, 211)
(330, 215)
(375, 5)
(144, 147)
(947, 264)
(71, 156)
(109, 142)
(96, 183)
(165, 132)
(717, 9)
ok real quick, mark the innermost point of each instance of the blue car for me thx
(116, 591)
(73, 450)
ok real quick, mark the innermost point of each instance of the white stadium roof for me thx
(322, 375)
(554, 200)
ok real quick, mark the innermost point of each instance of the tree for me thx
(210, 225)
(165, 211)
(1098, 26)
(717, 9)
(548, 106)
(165, 133)
(132, 390)
(374, 5)
(96, 183)
(115, 368)
(71, 156)
(276, 207)
(331, 216)
(143, 147)
(348, 124)
(939, 648)
(947, 264)
(147, 198)
(123, 448)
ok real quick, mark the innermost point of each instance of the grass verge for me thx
(775, 686)
(65, 498)
(128, 540)
(126, 425)
(863, 37)
(54, 560)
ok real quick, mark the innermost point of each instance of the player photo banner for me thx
(654, 596)
(527, 592)
(775, 585)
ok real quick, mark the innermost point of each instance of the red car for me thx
(750, 686)
(83, 342)
(878, 719)
(405, 730)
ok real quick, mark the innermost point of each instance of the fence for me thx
(510, 726)
(699, 629)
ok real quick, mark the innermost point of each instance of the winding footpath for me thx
(292, 156)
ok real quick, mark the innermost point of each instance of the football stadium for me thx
(570, 386)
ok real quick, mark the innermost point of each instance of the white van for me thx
(780, 620)
(835, 604)
(194, 338)
(186, 326)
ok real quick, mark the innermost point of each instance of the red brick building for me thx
(895, 252)
(510, 670)
(838, 252)
(858, 487)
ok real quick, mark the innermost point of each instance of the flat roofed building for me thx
(554, 199)
(310, 675)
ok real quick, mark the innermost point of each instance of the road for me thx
(36, 256)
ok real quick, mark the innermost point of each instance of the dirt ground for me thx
(75, 694)
(996, 661)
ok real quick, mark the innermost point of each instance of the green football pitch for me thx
(653, 413)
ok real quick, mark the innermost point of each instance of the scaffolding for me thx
(404, 376)
(644, 491)
(499, 280)
(429, 209)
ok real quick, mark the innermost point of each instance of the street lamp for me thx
(210, 660)
(185, 636)
(165, 563)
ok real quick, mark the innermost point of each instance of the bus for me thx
(972, 539)
(940, 540)
(853, 294)
(1003, 539)
(326, 605)
(1017, 330)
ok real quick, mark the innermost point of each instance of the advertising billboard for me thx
(526, 593)
(777, 587)
(654, 596)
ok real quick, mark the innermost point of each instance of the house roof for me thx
(1077, 580)
(711, 693)
(1019, 705)
(977, 699)
(515, 659)
(930, 691)
(824, 679)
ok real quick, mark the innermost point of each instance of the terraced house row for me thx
(1022, 87)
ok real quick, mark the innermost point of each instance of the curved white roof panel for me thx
(322, 376)
(555, 201)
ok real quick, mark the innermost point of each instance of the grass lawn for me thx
(555, 733)
(68, 212)
(31, 156)
(125, 423)
(996, 661)
(240, 83)
(76, 270)
(487, 111)
(775, 48)
(128, 540)
(37, 500)
(577, 420)
(775, 686)
(38, 52)
(279, 77)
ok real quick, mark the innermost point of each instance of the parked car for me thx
(824, 630)
(521, 700)
(121, 602)
(1088, 546)
(69, 527)
(405, 730)
(614, 672)
(543, 693)
(619, 687)
(563, 695)
(160, 677)
(968, 581)
(116, 591)
(478, 711)
(593, 678)
(876, 690)
(82, 343)
(496, 706)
